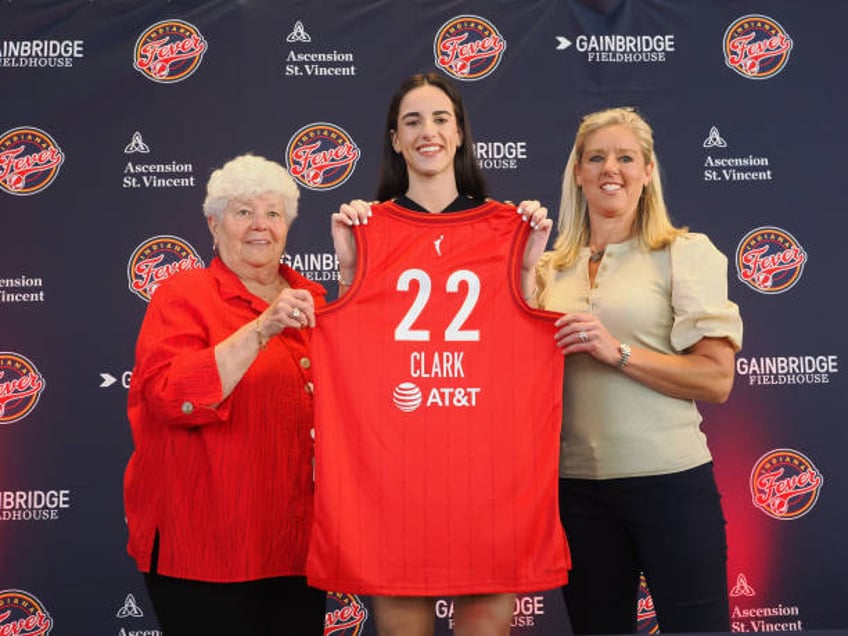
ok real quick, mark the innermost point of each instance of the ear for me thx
(577, 178)
(649, 173)
(395, 145)
(212, 223)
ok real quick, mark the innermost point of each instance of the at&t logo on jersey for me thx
(29, 160)
(770, 260)
(407, 396)
(155, 260)
(21, 386)
(785, 484)
(23, 614)
(169, 51)
(468, 47)
(756, 47)
(321, 156)
(346, 615)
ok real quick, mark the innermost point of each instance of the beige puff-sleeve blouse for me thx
(663, 300)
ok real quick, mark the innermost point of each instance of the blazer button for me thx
(305, 363)
(188, 408)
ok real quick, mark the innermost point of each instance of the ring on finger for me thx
(582, 337)
(295, 313)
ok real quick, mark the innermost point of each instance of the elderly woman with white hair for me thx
(218, 491)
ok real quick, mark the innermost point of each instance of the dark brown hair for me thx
(394, 178)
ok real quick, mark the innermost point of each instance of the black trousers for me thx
(669, 527)
(282, 606)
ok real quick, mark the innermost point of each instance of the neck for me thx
(263, 281)
(602, 232)
(265, 289)
(434, 194)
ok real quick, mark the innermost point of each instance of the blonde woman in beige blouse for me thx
(647, 330)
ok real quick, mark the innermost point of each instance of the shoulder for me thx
(187, 281)
(695, 248)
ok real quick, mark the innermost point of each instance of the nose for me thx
(258, 221)
(610, 163)
(428, 129)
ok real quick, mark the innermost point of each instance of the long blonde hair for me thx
(653, 225)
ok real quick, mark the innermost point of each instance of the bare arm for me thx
(341, 223)
(537, 215)
(703, 372)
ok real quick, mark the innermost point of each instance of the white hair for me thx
(248, 176)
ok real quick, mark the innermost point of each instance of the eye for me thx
(274, 214)
(243, 212)
(625, 158)
(595, 158)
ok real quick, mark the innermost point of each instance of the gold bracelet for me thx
(263, 339)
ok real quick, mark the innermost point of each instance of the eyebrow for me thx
(415, 113)
(589, 150)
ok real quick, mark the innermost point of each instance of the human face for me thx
(427, 133)
(251, 232)
(612, 172)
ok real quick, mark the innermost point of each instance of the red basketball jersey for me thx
(438, 396)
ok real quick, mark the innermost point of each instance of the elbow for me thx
(719, 392)
(720, 398)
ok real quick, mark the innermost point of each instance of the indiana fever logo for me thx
(756, 47)
(157, 259)
(29, 160)
(468, 47)
(169, 51)
(770, 260)
(785, 484)
(346, 615)
(23, 614)
(21, 386)
(321, 156)
(646, 615)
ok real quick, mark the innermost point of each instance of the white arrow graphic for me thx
(108, 380)
(562, 43)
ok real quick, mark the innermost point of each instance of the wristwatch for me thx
(624, 352)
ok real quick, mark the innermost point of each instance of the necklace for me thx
(594, 257)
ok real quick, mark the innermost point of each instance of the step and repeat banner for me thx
(114, 114)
